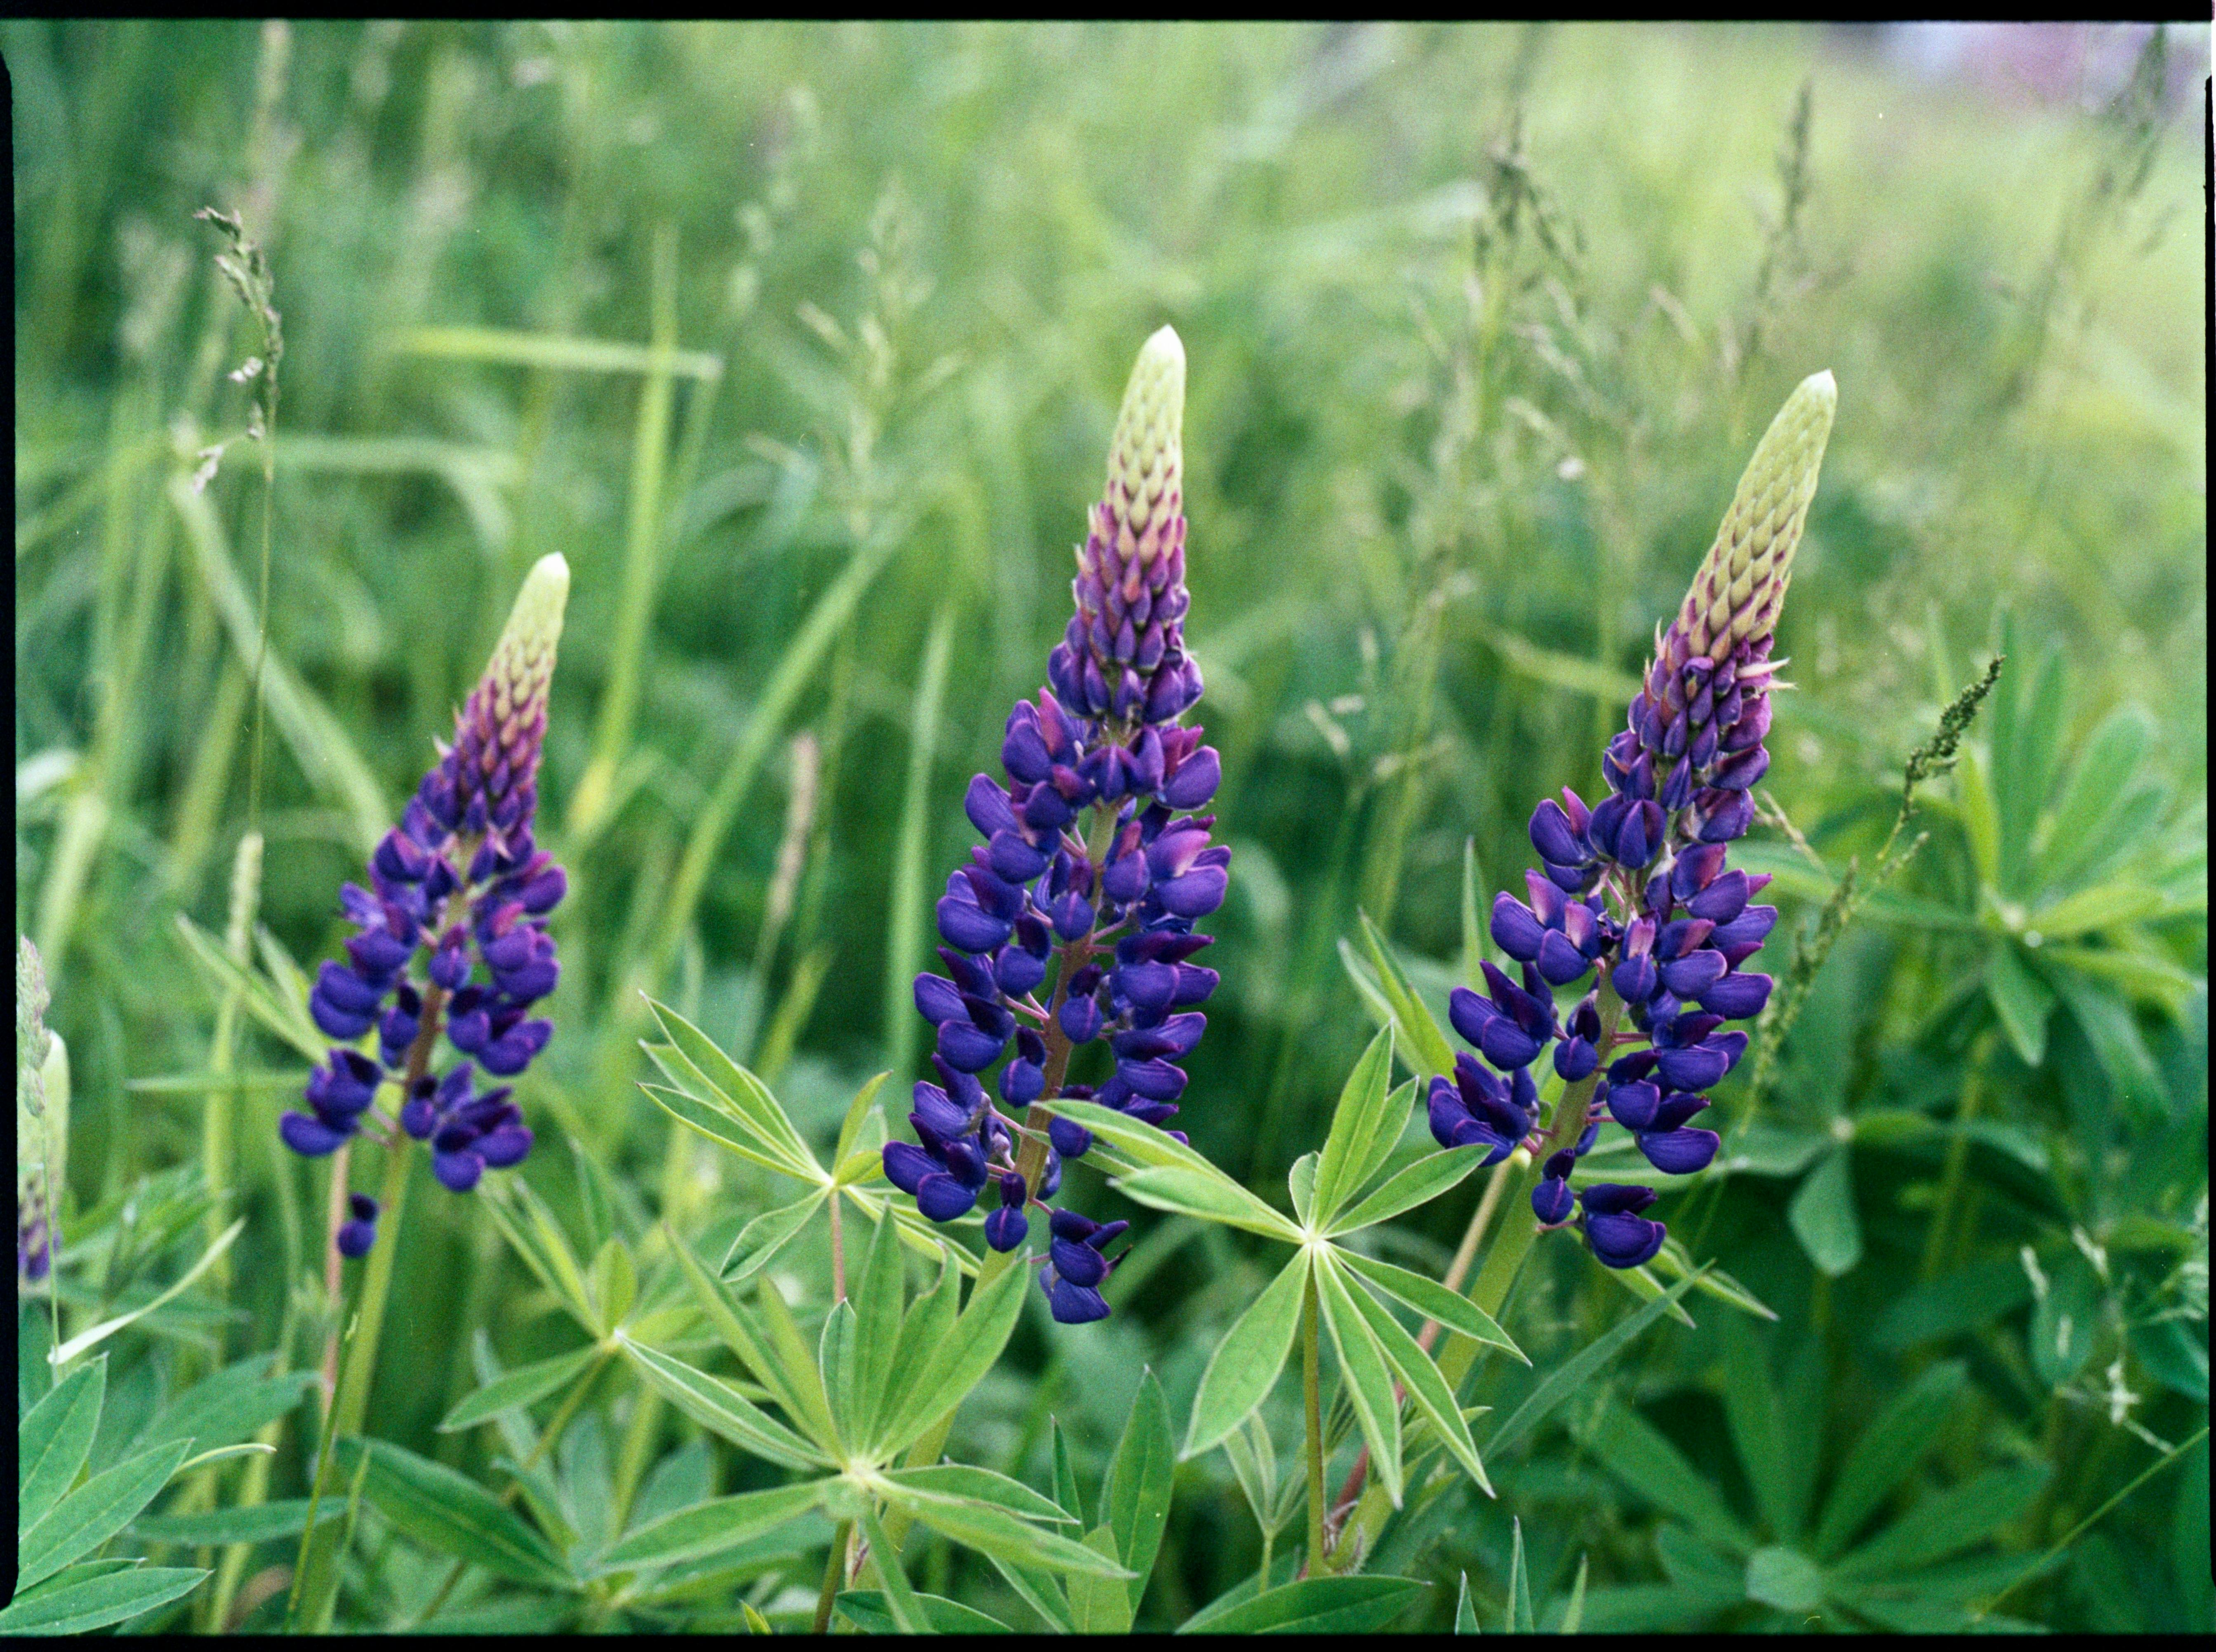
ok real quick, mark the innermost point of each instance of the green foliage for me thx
(801, 344)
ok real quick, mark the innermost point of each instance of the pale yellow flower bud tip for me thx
(1150, 425)
(535, 621)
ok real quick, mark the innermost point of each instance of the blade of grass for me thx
(795, 667)
(906, 941)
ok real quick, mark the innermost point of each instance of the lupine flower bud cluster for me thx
(451, 935)
(1637, 887)
(1088, 873)
(42, 1107)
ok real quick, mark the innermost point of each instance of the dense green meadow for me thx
(802, 345)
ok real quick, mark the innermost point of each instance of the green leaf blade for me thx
(1246, 1363)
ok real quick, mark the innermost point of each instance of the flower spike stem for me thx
(834, 1574)
(1312, 1396)
(317, 1593)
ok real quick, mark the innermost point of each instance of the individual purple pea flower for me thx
(1077, 1265)
(1619, 1236)
(1638, 887)
(450, 934)
(359, 1231)
(1090, 875)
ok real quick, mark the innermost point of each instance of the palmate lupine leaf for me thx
(95, 1511)
(54, 1439)
(1314, 1606)
(451, 1514)
(1246, 1363)
(88, 1598)
(708, 1528)
(1357, 1123)
(1372, 1349)
(867, 1609)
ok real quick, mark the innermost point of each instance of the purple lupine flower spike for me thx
(450, 933)
(1088, 881)
(1637, 889)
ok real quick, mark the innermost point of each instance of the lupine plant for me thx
(1088, 883)
(1651, 1259)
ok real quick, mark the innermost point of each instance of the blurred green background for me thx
(800, 341)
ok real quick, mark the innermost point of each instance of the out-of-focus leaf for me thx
(2108, 758)
(108, 1328)
(1887, 1452)
(1978, 1295)
(2021, 998)
(1709, 1280)
(1822, 1216)
(2109, 906)
(224, 1408)
(1465, 1616)
(866, 1610)
(2174, 1356)
(1517, 1618)
(1314, 1606)
(228, 977)
(448, 1512)
(1784, 1578)
(2065, 1321)
(1759, 1431)
(1578, 1369)
(1632, 1449)
(2106, 1020)
(1574, 1613)
(1764, 1149)
(1949, 1523)
(251, 1523)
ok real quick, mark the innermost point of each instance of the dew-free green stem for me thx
(1312, 1398)
(1958, 1154)
(834, 1574)
(352, 1403)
